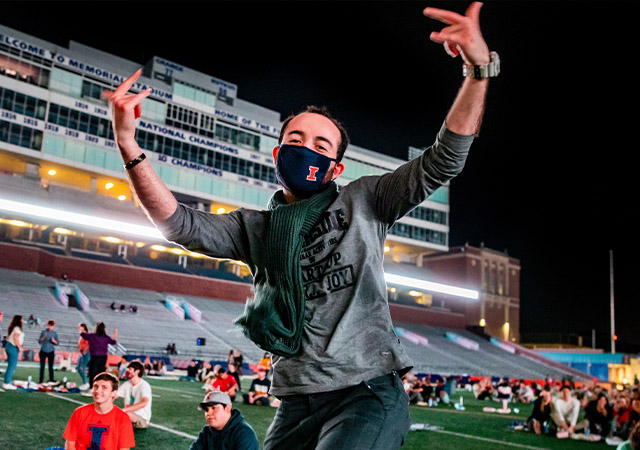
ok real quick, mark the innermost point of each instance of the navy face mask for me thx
(301, 170)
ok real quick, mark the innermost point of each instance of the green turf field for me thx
(36, 420)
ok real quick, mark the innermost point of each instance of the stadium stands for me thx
(153, 326)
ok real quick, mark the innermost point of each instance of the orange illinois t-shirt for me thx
(93, 431)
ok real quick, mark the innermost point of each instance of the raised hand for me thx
(125, 109)
(462, 35)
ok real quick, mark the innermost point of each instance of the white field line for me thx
(151, 424)
(493, 441)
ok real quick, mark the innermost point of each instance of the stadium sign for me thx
(195, 139)
(19, 119)
(224, 88)
(178, 72)
(72, 63)
(230, 176)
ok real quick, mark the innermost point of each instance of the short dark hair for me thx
(323, 111)
(51, 322)
(107, 376)
(137, 365)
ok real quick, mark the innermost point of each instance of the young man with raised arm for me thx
(316, 255)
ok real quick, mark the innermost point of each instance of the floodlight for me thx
(431, 286)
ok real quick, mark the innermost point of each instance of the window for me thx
(19, 135)
(22, 104)
(66, 82)
(76, 120)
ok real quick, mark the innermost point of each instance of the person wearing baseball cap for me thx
(226, 428)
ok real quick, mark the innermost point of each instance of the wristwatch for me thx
(485, 71)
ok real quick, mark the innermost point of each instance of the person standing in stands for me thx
(85, 356)
(48, 340)
(99, 349)
(15, 339)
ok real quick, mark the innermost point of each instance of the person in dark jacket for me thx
(226, 429)
(599, 414)
(48, 340)
(541, 412)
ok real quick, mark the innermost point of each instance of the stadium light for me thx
(58, 215)
(431, 286)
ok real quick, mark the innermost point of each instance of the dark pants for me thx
(50, 356)
(97, 364)
(371, 415)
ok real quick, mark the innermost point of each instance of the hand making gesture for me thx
(462, 35)
(125, 109)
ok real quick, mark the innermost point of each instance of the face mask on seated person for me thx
(301, 171)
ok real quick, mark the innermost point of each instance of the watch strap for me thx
(134, 162)
(490, 70)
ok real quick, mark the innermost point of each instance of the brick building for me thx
(496, 276)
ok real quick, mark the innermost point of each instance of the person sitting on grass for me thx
(101, 424)
(416, 392)
(192, 371)
(137, 395)
(205, 372)
(225, 383)
(622, 416)
(485, 389)
(541, 412)
(564, 412)
(597, 416)
(442, 396)
(259, 390)
(226, 428)
(526, 394)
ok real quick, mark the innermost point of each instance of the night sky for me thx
(552, 177)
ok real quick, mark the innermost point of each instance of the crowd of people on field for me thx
(561, 409)
(228, 380)
(126, 381)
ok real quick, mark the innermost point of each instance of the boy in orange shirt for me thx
(100, 425)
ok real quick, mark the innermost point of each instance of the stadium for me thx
(77, 248)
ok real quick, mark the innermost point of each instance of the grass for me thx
(35, 421)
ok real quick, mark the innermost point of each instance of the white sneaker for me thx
(84, 387)
(9, 387)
